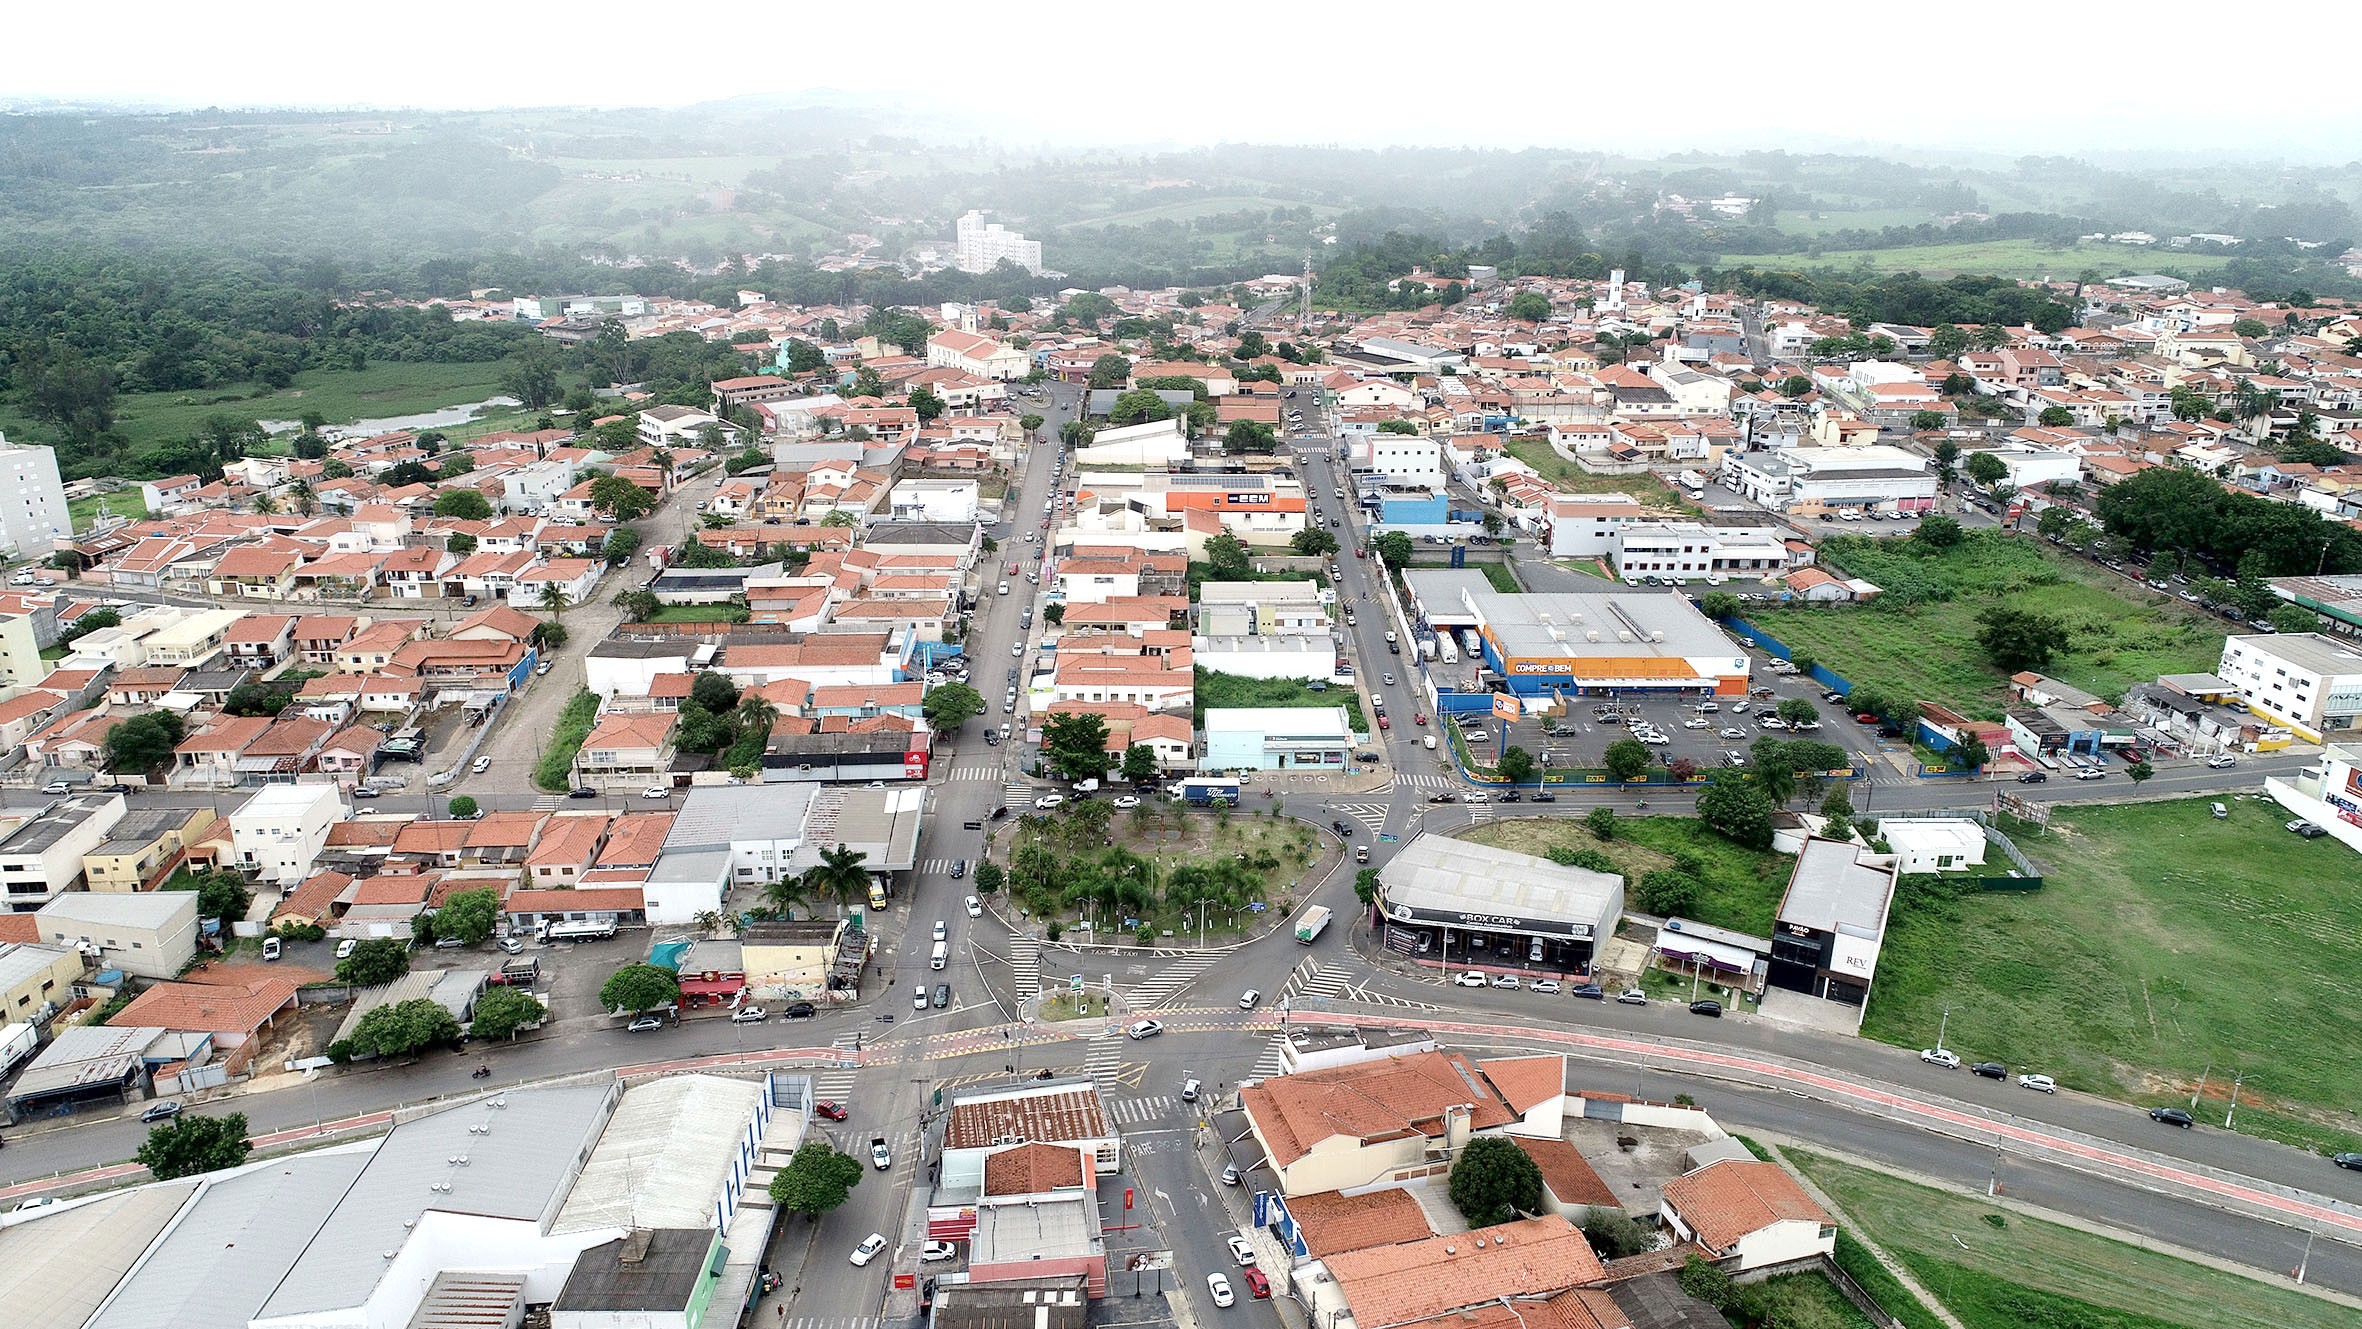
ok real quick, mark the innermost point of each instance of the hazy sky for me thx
(2058, 76)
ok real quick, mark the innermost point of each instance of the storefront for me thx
(1455, 904)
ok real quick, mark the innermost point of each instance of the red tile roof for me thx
(1723, 1202)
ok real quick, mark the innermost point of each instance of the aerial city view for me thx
(1065, 670)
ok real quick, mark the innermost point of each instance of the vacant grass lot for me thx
(123, 503)
(2164, 942)
(1997, 1270)
(1739, 888)
(2118, 634)
(1653, 493)
(1229, 690)
(383, 389)
(2006, 258)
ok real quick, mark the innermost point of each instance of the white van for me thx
(942, 953)
(1428, 742)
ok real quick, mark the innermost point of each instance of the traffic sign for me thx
(1386, 837)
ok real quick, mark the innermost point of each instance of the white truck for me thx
(1314, 922)
(17, 1042)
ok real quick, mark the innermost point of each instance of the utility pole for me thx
(1941, 1025)
(2196, 1093)
(2236, 1080)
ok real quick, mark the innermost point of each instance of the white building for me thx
(152, 934)
(1746, 1215)
(33, 516)
(2327, 793)
(1270, 738)
(1809, 481)
(42, 858)
(1153, 443)
(980, 246)
(280, 831)
(1410, 460)
(1948, 844)
(1686, 550)
(975, 353)
(934, 500)
(2310, 682)
(1587, 525)
(1301, 655)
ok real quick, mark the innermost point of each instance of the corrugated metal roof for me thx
(664, 1158)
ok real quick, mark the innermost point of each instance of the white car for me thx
(2221, 761)
(749, 1015)
(656, 791)
(1696, 723)
(1242, 1251)
(1476, 796)
(480, 765)
(1508, 981)
(1470, 980)
(344, 949)
(1545, 985)
(1944, 1057)
(938, 1250)
(1050, 801)
(869, 1248)
(1220, 1287)
(975, 907)
(1126, 803)
(2041, 1084)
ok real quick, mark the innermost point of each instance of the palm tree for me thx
(265, 504)
(554, 599)
(755, 711)
(301, 494)
(839, 875)
(785, 894)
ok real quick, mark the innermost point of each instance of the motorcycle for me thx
(480, 1073)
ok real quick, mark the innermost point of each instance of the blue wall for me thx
(1429, 511)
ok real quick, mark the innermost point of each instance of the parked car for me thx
(1506, 981)
(364, 791)
(1546, 986)
(938, 1250)
(1220, 1287)
(2221, 761)
(2033, 777)
(583, 792)
(656, 791)
(1632, 997)
(1590, 991)
(1050, 801)
(2088, 774)
(801, 1010)
(645, 1024)
(344, 949)
(1258, 1284)
(57, 787)
(2351, 1162)
(2172, 1116)
(1991, 1070)
(2041, 1084)
(1242, 1251)
(1709, 1007)
(869, 1248)
(2306, 829)
(164, 1111)
(1126, 802)
(749, 1015)
(975, 907)
(1470, 980)
(480, 764)
(1944, 1057)
(1230, 1174)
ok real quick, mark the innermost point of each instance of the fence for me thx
(2028, 869)
(1819, 673)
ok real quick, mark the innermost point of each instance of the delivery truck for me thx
(1206, 793)
(1314, 922)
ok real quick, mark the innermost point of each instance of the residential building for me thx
(626, 750)
(1746, 1215)
(144, 848)
(981, 246)
(36, 982)
(150, 934)
(42, 858)
(1373, 1123)
(33, 516)
(276, 835)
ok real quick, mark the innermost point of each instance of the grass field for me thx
(1739, 888)
(1996, 1269)
(2164, 942)
(1190, 209)
(123, 503)
(383, 389)
(1226, 690)
(1653, 493)
(723, 613)
(2006, 258)
(1928, 651)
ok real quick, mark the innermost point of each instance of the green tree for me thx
(1925, 421)
(841, 875)
(1139, 406)
(1529, 307)
(2020, 639)
(143, 744)
(804, 358)
(1139, 763)
(1969, 754)
(816, 1179)
(1397, 427)
(88, 623)
(1796, 710)
(2294, 618)
(714, 691)
(1667, 893)
(468, 915)
(2054, 417)
(1054, 613)
(405, 1027)
(1986, 469)
(1029, 422)
(2139, 772)
(1110, 371)
(1227, 558)
(1494, 1181)
(1252, 345)
(1249, 436)
(950, 706)
(1795, 385)
(502, 1011)
(639, 987)
(1626, 759)
(1947, 458)
(2250, 328)
(641, 605)
(923, 400)
(221, 894)
(1365, 886)
(1312, 542)
(1736, 809)
(1516, 765)
(1938, 533)
(463, 504)
(1614, 1236)
(188, 1145)
(1946, 341)
(1706, 1282)
(990, 877)
(785, 895)
(463, 807)
(1394, 549)
(622, 543)
(1074, 745)
(374, 963)
(1601, 822)
(620, 499)
(1719, 604)
(1774, 767)
(532, 377)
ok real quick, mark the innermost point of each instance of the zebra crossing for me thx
(986, 769)
(1105, 1057)
(831, 1322)
(1144, 1111)
(1371, 815)
(1176, 971)
(1320, 982)
(1269, 1064)
(938, 866)
(1025, 965)
(834, 1085)
(1426, 780)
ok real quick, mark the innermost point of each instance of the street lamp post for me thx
(1941, 1026)
(2228, 1112)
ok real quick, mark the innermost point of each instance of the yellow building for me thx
(144, 848)
(34, 976)
(792, 961)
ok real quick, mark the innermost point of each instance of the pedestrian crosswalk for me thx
(1320, 982)
(1175, 971)
(1371, 815)
(1106, 1054)
(986, 768)
(833, 1085)
(940, 867)
(1025, 965)
(1269, 1063)
(1143, 1111)
(829, 1321)
(1426, 780)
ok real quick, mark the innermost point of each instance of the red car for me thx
(1258, 1284)
(1865, 718)
(1361, 552)
(831, 1109)
(1418, 717)
(1384, 723)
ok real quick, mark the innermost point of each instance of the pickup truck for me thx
(879, 1153)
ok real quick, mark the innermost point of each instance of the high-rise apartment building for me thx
(982, 245)
(33, 516)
